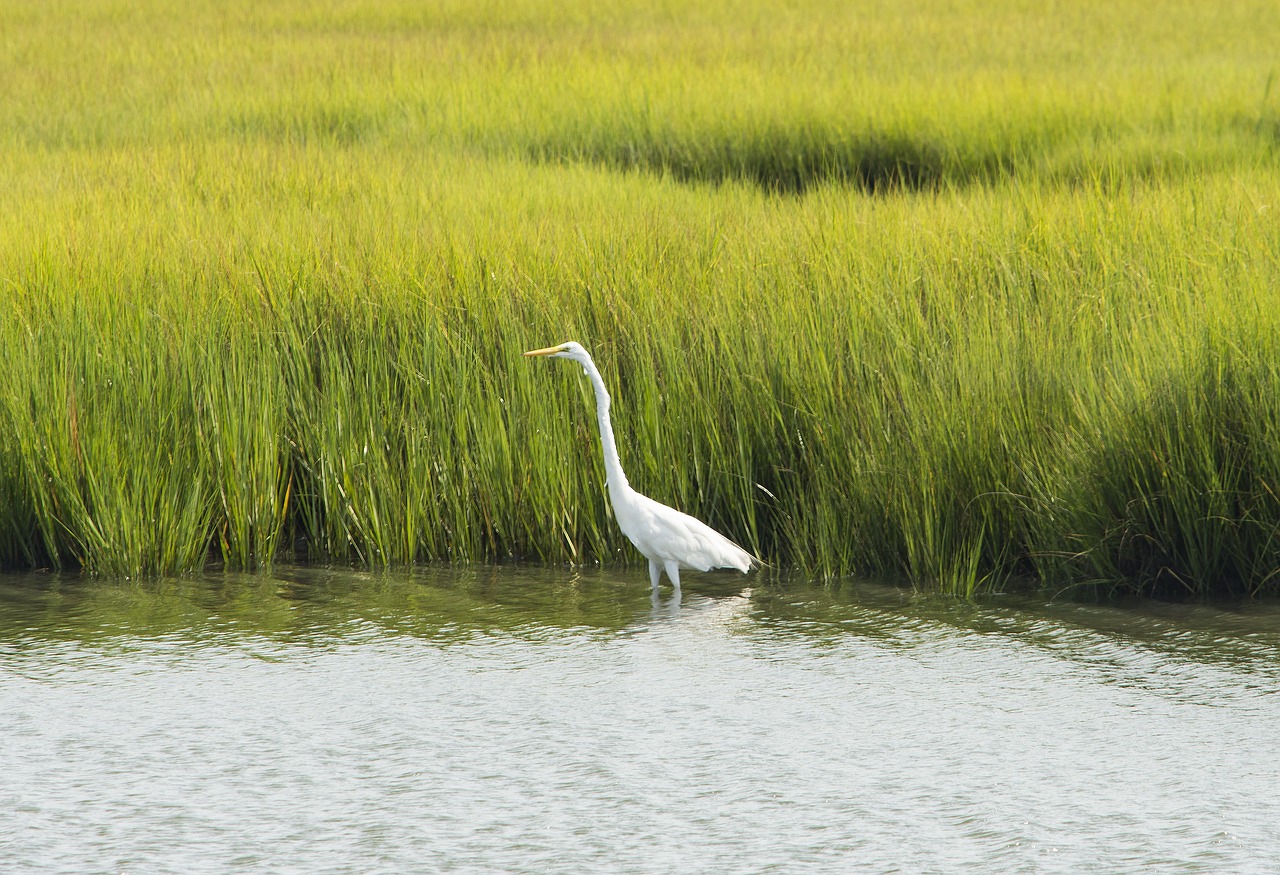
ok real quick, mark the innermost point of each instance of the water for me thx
(540, 721)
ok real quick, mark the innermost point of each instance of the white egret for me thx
(669, 539)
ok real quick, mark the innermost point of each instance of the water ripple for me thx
(524, 722)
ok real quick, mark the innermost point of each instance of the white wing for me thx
(664, 533)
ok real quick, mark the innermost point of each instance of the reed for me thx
(951, 296)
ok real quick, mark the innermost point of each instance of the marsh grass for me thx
(951, 296)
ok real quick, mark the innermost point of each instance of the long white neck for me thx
(616, 480)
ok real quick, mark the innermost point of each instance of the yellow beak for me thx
(548, 351)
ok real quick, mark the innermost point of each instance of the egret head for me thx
(571, 350)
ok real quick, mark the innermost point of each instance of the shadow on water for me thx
(321, 606)
(318, 605)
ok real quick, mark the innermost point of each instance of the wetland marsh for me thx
(949, 294)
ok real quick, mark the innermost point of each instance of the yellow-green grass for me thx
(955, 294)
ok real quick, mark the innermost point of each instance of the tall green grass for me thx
(951, 294)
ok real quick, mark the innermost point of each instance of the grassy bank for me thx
(953, 295)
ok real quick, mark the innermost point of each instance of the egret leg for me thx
(673, 572)
(655, 573)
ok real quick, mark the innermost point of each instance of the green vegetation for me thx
(956, 292)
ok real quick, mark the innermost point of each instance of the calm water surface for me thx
(541, 721)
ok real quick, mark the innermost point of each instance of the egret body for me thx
(669, 539)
